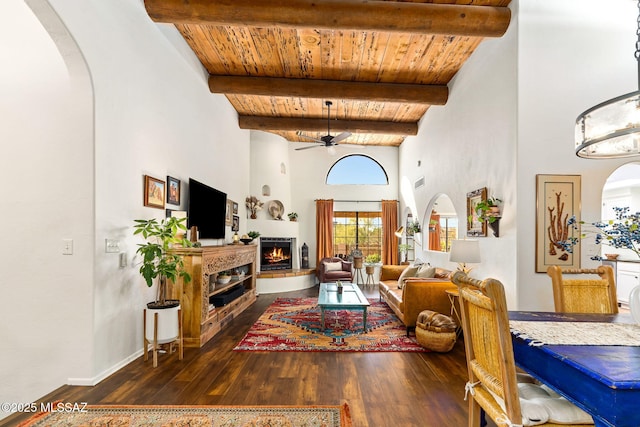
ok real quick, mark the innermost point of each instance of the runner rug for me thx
(200, 416)
(293, 324)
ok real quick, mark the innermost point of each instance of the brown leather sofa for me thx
(344, 274)
(418, 294)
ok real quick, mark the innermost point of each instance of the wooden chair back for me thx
(574, 294)
(488, 347)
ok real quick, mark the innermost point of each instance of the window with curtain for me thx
(361, 230)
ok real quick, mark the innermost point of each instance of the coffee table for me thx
(351, 298)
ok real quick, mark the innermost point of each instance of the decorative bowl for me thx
(246, 241)
(223, 280)
(612, 256)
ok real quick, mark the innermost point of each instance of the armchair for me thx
(333, 269)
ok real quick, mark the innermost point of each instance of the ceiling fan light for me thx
(610, 130)
(331, 150)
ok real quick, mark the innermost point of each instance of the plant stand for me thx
(157, 343)
(370, 269)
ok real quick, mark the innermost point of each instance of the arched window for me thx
(357, 169)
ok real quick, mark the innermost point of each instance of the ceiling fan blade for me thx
(340, 137)
(302, 135)
(311, 146)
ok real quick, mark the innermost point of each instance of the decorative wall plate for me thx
(276, 209)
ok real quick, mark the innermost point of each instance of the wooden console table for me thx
(201, 319)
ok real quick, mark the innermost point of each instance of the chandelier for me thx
(611, 130)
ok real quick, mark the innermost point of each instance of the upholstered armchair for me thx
(334, 269)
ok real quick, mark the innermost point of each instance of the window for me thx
(448, 232)
(361, 230)
(357, 169)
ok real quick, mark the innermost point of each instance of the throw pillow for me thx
(332, 266)
(426, 271)
(539, 404)
(407, 272)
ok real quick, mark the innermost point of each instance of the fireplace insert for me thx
(276, 253)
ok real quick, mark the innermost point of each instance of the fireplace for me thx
(276, 253)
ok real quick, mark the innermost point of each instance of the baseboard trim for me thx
(104, 374)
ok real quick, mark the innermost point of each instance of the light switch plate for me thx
(67, 246)
(111, 246)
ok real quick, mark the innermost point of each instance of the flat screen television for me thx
(206, 209)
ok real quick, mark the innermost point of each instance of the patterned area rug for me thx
(293, 324)
(196, 416)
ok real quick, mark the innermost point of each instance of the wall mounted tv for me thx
(207, 208)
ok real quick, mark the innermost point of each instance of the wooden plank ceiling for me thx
(381, 63)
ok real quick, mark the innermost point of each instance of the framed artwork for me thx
(173, 190)
(236, 223)
(557, 200)
(228, 216)
(476, 227)
(153, 192)
(235, 208)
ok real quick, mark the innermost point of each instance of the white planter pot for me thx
(168, 324)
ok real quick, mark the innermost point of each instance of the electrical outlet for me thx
(111, 246)
(123, 259)
(67, 246)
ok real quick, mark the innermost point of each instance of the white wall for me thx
(510, 116)
(80, 315)
(46, 167)
(569, 59)
(309, 170)
(469, 144)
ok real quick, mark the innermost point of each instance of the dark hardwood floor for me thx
(382, 389)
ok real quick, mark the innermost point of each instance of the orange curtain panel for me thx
(434, 233)
(324, 229)
(389, 227)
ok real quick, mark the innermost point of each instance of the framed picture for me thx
(173, 190)
(236, 223)
(557, 200)
(229, 213)
(153, 192)
(476, 227)
(235, 208)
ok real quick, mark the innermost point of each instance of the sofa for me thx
(333, 269)
(417, 293)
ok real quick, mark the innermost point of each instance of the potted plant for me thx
(413, 227)
(370, 262)
(489, 210)
(253, 235)
(224, 277)
(292, 216)
(159, 263)
(404, 249)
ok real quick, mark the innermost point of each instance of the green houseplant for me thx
(292, 216)
(404, 249)
(489, 210)
(158, 262)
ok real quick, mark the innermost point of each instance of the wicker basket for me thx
(436, 331)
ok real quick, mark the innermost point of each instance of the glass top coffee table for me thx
(351, 298)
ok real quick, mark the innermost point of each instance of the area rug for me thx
(293, 324)
(196, 416)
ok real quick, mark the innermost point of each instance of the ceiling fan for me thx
(327, 140)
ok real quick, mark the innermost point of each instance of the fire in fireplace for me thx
(276, 253)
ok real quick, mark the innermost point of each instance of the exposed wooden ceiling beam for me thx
(326, 89)
(320, 125)
(386, 16)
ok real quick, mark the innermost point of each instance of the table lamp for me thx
(464, 252)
